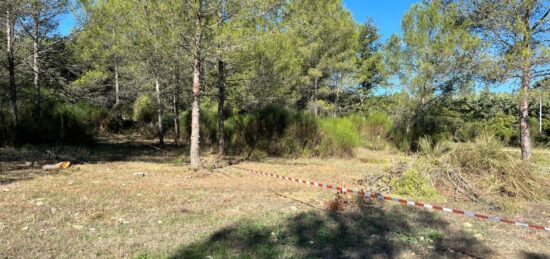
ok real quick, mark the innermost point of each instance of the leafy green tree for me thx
(438, 54)
(102, 41)
(371, 69)
(236, 32)
(518, 31)
(436, 57)
(323, 44)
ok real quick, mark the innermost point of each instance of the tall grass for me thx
(276, 131)
(339, 136)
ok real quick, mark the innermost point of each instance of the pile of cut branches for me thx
(479, 170)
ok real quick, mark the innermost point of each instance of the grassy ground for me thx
(133, 200)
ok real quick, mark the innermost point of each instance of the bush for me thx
(504, 127)
(374, 128)
(471, 130)
(274, 131)
(144, 109)
(339, 136)
(62, 123)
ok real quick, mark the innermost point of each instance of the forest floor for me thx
(131, 199)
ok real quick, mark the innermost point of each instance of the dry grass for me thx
(158, 208)
(482, 171)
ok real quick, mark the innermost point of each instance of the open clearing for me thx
(150, 206)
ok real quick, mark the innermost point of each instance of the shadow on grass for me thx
(11, 176)
(99, 152)
(367, 231)
(24, 163)
(531, 255)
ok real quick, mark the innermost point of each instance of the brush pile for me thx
(479, 170)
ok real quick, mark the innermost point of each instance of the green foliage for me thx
(208, 126)
(143, 109)
(373, 128)
(274, 131)
(339, 136)
(438, 50)
(413, 183)
(370, 66)
(64, 123)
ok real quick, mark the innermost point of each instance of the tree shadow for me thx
(531, 255)
(369, 230)
(24, 163)
(11, 176)
(131, 150)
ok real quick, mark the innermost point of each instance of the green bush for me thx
(339, 136)
(62, 123)
(504, 127)
(208, 126)
(471, 130)
(273, 130)
(144, 109)
(374, 128)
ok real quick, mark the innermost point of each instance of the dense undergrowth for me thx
(274, 131)
(59, 123)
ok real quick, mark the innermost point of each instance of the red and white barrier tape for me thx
(380, 197)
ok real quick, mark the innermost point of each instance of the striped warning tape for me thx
(380, 197)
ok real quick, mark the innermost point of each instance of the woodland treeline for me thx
(272, 77)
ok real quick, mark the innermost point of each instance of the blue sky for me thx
(386, 14)
(66, 24)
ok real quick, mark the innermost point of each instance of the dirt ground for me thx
(134, 200)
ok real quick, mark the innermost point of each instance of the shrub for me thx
(339, 136)
(301, 136)
(144, 109)
(471, 130)
(504, 127)
(239, 132)
(374, 128)
(63, 123)
(274, 131)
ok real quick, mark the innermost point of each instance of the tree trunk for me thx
(36, 65)
(194, 152)
(525, 138)
(159, 111)
(315, 112)
(11, 68)
(176, 109)
(540, 114)
(195, 116)
(221, 100)
(117, 86)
